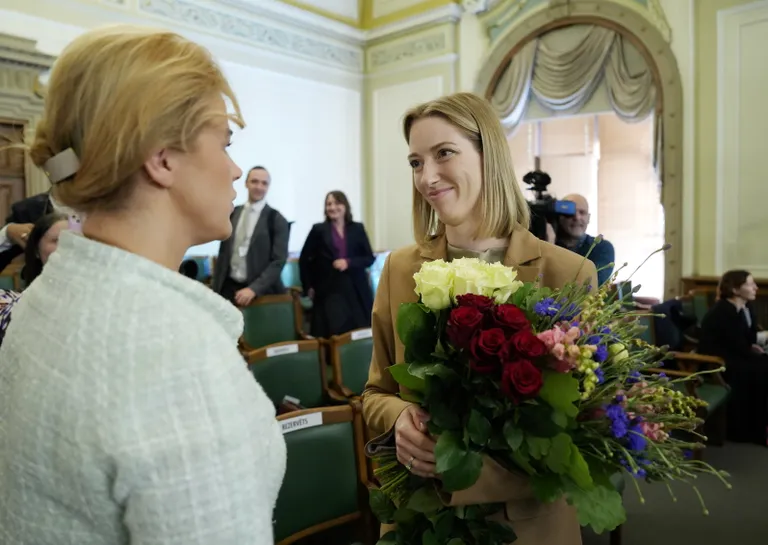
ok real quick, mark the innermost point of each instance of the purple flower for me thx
(634, 377)
(546, 307)
(601, 354)
(600, 375)
(619, 420)
(636, 439)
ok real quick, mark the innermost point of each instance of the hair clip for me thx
(61, 166)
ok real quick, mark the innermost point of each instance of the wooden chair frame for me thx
(336, 415)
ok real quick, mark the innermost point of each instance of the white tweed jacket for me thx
(127, 415)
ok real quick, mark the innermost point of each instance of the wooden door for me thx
(12, 187)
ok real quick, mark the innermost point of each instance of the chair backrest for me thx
(701, 304)
(271, 319)
(295, 369)
(351, 359)
(325, 472)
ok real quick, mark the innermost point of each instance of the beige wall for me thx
(731, 120)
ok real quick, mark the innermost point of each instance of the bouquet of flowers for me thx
(553, 384)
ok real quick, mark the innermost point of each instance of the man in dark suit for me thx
(251, 260)
(19, 223)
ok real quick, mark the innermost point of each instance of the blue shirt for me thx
(601, 255)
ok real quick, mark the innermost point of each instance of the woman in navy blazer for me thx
(333, 267)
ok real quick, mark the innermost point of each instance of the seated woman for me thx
(729, 330)
(42, 242)
(333, 265)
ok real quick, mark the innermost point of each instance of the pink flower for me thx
(571, 335)
(653, 431)
(551, 337)
(558, 351)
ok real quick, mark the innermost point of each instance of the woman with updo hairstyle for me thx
(126, 413)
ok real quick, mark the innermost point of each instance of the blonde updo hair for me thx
(502, 204)
(116, 94)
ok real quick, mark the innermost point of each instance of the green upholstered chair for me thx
(351, 359)
(295, 369)
(6, 282)
(325, 479)
(271, 319)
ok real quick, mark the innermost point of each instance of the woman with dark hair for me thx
(729, 330)
(42, 242)
(333, 265)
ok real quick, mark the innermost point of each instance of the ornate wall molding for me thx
(254, 32)
(21, 92)
(420, 47)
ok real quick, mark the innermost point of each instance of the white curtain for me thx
(563, 68)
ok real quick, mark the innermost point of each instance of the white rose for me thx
(434, 284)
(501, 281)
(470, 276)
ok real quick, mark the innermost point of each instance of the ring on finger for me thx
(409, 465)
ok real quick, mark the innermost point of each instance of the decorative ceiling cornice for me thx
(23, 53)
(248, 27)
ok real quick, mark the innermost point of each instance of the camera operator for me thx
(572, 234)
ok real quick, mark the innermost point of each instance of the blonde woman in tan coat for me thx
(466, 203)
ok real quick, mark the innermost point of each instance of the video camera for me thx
(545, 208)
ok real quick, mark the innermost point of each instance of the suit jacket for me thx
(265, 259)
(27, 210)
(725, 333)
(534, 523)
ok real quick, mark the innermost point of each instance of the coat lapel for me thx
(523, 254)
(328, 237)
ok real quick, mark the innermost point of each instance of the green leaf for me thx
(449, 452)
(416, 329)
(429, 537)
(425, 500)
(578, 469)
(390, 538)
(456, 541)
(501, 533)
(411, 319)
(465, 474)
(521, 459)
(381, 505)
(547, 487)
(560, 419)
(560, 390)
(513, 434)
(518, 298)
(559, 456)
(598, 507)
(400, 373)
(403, 515)
(424, 370)
(538, 418)
(479, 428)
(443, 524)
(412, 397)
(538, 446)
(498, 442)
(444, 416)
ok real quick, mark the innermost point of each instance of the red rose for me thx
(488, 348)
(521, 380)
(510, 317)
(480, 302)
(524, 343)
(462, 324)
